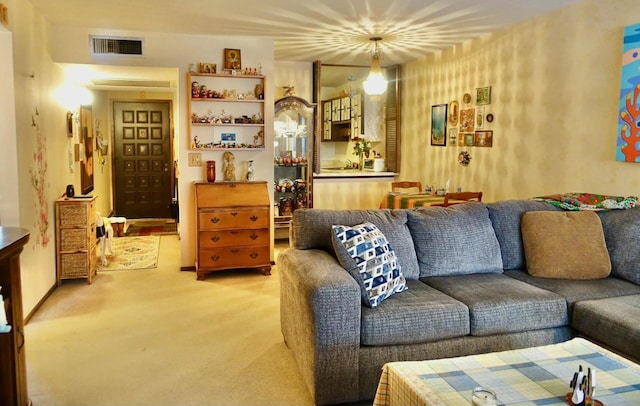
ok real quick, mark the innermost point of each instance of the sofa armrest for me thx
(320, 321)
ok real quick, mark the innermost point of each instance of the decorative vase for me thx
(211, 171)
(360, 162)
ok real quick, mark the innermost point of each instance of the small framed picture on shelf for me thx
(228, 138)
(232, 59)
(207, 68)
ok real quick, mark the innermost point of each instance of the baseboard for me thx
(187, 269)
(39, 304)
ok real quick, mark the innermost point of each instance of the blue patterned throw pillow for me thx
(365, 253)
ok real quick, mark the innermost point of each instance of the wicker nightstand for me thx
(76, 238)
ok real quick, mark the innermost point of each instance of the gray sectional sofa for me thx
(469, 291)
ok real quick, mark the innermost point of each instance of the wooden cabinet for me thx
(13, 368)
(226, 111)
(76, 238)
(342, 118)
(232, 227)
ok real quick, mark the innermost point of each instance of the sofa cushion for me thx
(506, 217)
(565, 245)
(576, 290)
(612, 321)
(622, 233)
(365, 253)
(455, 240)
(499, 304)
(311, 229)
(418, 315)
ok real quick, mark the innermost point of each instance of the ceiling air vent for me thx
(115, 46)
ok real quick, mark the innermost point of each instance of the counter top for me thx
(352, 173)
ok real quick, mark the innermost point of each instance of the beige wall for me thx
(555, 84)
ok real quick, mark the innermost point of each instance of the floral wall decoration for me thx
(38, 174)
(464, 158)
(628, 137)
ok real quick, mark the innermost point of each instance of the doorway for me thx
(143, 156)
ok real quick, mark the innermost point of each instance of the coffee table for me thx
(531, 376)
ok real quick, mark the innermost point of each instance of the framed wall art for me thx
(453, 137)
(439, 125)
(483, 95)
(453, 113)
(483, 139)
(232, 59)
(627, 115)
(468, 140)
(86, 139)
(467, 120)
(479, 117)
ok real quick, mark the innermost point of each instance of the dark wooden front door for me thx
(143, 167)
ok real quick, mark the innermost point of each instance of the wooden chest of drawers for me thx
(232, 227)
(76, 238)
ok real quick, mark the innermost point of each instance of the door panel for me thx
(143, 169)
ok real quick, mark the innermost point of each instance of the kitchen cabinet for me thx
(342, 118)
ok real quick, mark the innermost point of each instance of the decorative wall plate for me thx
(489, 118)
(466, 98)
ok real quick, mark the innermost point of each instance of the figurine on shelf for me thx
(195, 90)
(258, 139)
(250, 174)
(228, 168)
(203, 91)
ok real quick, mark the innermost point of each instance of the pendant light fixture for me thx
(375, 84)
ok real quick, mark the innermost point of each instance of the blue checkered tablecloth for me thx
(532, 376)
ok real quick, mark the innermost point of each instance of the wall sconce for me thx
(73, 96)
(375, 84)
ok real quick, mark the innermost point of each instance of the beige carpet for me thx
(131, 253)
(160, 337)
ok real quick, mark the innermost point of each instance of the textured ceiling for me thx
(333, 31)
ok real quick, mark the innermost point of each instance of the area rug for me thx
(131, 253)
(151, 227)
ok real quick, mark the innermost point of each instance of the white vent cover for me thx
(115, 45)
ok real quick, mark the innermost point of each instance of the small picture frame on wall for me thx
(232, 59)
(69, 124)
(483, 95)
(439, 125)
(468, 140)
(483, 139)
(479, 117)
(453, 137)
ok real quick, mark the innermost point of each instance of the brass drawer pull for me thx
(215, 257)
(215, 220)
(253, 218)
(254, 255)
(215, 238)
(234, 232)
(253, 236)
(234, 213)
(234, 250)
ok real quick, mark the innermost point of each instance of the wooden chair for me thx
(467, 196)
(396, 186)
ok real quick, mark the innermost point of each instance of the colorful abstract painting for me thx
(628, 137)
